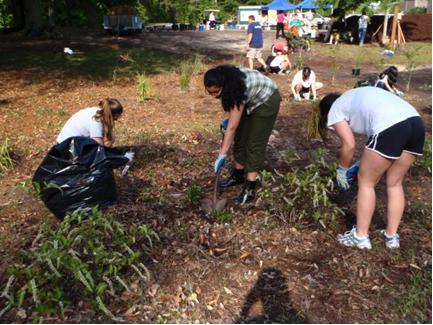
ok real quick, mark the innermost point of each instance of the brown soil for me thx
(417, 28)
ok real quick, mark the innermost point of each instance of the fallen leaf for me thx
(244, 255)
(228, 291)
(193, 297)
(415, 266)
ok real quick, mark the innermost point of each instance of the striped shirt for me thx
(259, 89)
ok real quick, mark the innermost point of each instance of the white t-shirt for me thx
(369, 110)
(277, 61)
(82, 124)
(307, 83)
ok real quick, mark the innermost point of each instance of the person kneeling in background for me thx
(304, 85)
(280, 64)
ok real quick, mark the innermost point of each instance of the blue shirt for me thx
(257, 39)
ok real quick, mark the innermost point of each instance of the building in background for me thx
(409, 4)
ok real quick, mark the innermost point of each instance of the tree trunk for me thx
(68, 6)
(17, 9)
(51, 13)
(385, 26)
(34, 22)
(90, 13)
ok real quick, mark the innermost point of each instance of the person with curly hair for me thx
(252, 102)
(396, 137)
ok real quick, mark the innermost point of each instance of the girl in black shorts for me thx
(396, 137)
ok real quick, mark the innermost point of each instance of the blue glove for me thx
(314, 99)
(345, 176)
(399, 93)
(297, 99)
(130, 155)
(225, 123)
(220, 162)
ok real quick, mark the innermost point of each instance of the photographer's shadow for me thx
(269, 301)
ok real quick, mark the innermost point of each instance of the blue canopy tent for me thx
(279, 5)
(310, 4)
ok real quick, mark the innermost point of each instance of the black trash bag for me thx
(81, 171)
(370, 82)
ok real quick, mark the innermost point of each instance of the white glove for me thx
(341, 178)
(130, 155)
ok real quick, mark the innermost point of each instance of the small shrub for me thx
(223, 216)
(411, 65)
(87, 258)
(185, 75)
(335, 50)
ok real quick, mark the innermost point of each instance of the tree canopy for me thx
(34, 16)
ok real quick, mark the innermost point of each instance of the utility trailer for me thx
(123, 20)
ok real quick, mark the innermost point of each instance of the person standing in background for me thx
(280, 24)
(362, 27)
(255, 43)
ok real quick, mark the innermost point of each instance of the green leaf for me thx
(101, 288)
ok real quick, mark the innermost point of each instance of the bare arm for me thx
(234, 119)
(250, 36)
(99, 140)
(347, 143)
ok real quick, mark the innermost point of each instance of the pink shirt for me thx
(280, 18)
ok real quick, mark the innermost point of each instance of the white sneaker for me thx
(391, 242)
(350, 239)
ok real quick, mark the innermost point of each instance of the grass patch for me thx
(50, 111)
(101, 62)
(371, 54)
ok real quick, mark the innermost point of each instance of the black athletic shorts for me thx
(305, 90)
(408, 136)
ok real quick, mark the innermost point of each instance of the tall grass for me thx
(189, 68)
(6, 162)
(311, 128)
(144, 89)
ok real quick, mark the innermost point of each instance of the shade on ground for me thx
(279, 5)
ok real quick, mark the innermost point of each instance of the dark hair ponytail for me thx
(392, 74)
(325, 106)
(232, 80)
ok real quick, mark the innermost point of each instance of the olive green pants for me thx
(253, 132)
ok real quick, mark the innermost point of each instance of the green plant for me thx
(6, 162)
(357, 64)
(425, 87)
(193, 194)
(302, 194)
(87, 257)
(222, 216)
(417, 11)
(380, 64)
(144, 90)
(311, 129)
(189, 68)
(411, 56)
(185, 75)
(424, 163)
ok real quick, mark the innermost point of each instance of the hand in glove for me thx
(224, 124)
(399, 93)
(297, 99)
(130, 155)
(220, 162)
(314, 99)
(345, 176)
